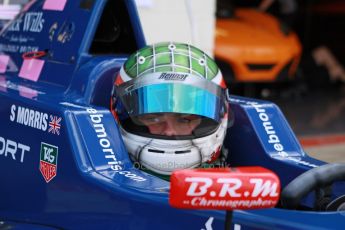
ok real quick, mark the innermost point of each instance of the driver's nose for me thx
(169, 129)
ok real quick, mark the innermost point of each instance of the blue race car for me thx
(63, 164)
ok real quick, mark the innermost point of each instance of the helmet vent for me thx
(155, 151)
(184, 151)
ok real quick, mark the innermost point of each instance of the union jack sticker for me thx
(54, 125)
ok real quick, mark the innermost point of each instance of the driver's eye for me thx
(151, 119)
(184, 120)
(187, 119)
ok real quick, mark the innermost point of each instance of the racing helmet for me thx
(179, 80)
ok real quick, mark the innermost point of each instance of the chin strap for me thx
(138, 153)
(199, 151)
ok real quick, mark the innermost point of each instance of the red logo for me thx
(48, 161)
(224, 188)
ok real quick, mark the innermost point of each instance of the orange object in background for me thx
(253, 46)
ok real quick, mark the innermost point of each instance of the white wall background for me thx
(188, 21)
(13, 1)
(10, 8)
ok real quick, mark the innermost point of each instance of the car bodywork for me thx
(62, 159)
(254, 46)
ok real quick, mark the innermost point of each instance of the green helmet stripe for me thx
(173, 57)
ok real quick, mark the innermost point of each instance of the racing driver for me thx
(171, 104)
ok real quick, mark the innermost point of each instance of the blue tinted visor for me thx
(174, 98)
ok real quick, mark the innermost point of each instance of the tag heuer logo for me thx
(48, 161)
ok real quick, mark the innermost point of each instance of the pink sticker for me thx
(4, 59)
(3, 84)
(31, 69)
(27, 92)
(57, 5)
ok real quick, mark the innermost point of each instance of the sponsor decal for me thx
(272, 136)
(56, 5)
(20, 39)
(52, 31)
(9, 48)
(13, 150)
(208, 224)
(31, 69)
(104, 142)
(237, 227)
(173, 76)
(54, 125)
(32, 22)
(17, 49)
(240, 188)
(66, 32)
(48, 161)
(15, 25)
(35, 119)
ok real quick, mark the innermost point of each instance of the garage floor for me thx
(318, 119)
(328, 153)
